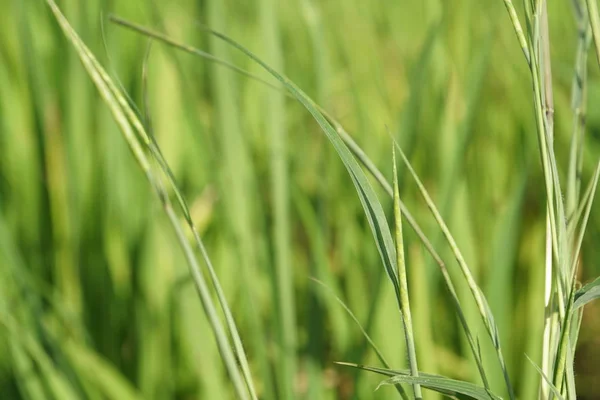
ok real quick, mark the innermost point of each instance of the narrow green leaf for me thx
(482, 305)
(357, 152)
(592, 6)
(441, 384)
(133, 131)
(589, 292)
(548, 381)
(403, 297)
(368, 198)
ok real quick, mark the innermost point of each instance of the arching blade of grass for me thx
(133, 130)
(347, 139)
(440, 384)
(588, 293)
(253, 316)
(443, 385)
(346, 146)
(367, 196)
(482, 305)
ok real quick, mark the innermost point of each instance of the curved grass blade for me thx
(589, 292)
(367, 196)
(482, 305)
(548, 381)
(346, 140)
(132, 129)
(443, 385)
(160, 159)
(438, 383)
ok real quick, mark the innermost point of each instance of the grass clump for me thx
(279, 224)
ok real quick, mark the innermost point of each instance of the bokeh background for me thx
(94, 290)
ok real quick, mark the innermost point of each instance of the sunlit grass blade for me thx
(482, 305)
(548, 381)
(347, 139)
(588, 293)
(514, 19)
(367, 196)
(443, 385)
(130, 127)
(403, 285)
(586, 216)
(440, 384)
(592, 6)
(239, 349)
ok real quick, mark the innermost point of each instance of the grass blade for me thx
(441, 384)
(592, 6)
(548, 381)
(403, 294)
(130, 126)
(589, 292)
(482, 305)
(364, 159)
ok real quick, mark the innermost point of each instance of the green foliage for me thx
(104, 256)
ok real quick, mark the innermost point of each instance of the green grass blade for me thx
(586, 216)
(367, 196)
(588, 293)
(548, 381)
(403, 294)
(124, 117)
(592, 6)
(482, 305)
(441, 384)
(514, 19)
(347, 139)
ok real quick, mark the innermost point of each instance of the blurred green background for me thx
(95, 298)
